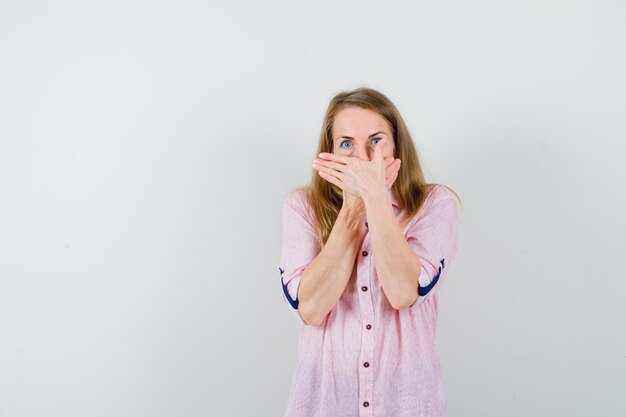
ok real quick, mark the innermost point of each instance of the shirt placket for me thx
(365, 369)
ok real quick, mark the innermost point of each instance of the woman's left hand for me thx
(354, 175)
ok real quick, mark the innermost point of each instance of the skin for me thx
(364, 168)
(358, 124)
(325, 279)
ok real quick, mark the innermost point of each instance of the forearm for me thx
(397, 266)
(326, 277)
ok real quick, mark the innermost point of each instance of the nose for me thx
(363, 153)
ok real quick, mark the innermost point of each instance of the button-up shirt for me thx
(366, 358)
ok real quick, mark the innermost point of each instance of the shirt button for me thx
(364, 253)
(366, 364)
(364, 288)
(366, 404)
(369, 326)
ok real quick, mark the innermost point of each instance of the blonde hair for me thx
(410, 187)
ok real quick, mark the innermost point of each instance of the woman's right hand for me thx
(355, 202)
(391, 174)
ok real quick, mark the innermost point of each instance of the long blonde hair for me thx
(325, 199)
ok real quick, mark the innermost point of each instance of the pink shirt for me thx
(366, 358)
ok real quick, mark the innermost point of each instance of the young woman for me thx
(365, 248)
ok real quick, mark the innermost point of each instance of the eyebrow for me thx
(350, 137)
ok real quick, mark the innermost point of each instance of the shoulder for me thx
(445, 204)
(439, 194)
(297, 199)
(440, 204)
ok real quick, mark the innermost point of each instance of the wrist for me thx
(376, 195)
(353, 216)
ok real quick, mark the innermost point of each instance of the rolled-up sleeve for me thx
(433, 238)
(300, 246)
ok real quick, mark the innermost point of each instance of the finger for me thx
(392, 178)
(391, 173)
(330, 178)
(334, 157)
(389, 168)
(332, 172)
(334, 165)
(388, 175)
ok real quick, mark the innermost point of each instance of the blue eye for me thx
(347, 141)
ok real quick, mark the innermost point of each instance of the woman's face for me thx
(356, 132)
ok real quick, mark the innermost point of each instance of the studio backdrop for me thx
(147, 148)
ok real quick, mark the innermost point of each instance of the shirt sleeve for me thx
(300, 246)
(433, 238)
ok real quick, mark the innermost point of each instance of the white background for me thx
(146, 149)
